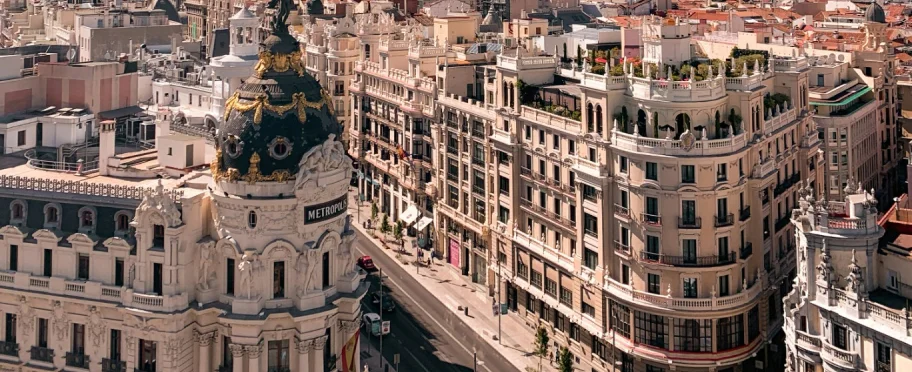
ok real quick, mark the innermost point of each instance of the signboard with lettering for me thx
(325, 211)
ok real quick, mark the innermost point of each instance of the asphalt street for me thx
(427, 336)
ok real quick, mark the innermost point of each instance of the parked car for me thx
(388, 304)
(372, 324)
(366, 264)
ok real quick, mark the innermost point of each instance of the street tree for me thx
(385, 224)
(565, 360)
(541, 345)
(374, 210)
(397, 232)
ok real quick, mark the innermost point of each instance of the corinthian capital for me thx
(319, 342)
(253, 351)
(237, 351)
(303, 346)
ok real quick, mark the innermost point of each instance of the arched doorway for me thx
(590, 118)
(641, 122)
(682, 123)
(598, 119)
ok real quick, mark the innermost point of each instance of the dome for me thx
(275, 117)
(875, 13)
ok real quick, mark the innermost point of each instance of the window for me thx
(589, 193)
(623, 164)
(157, 279)
(555, 142)
(18, 210)
(620, 319)
(556, 173)
(753, 323)
(51, 215)
(588, 309)
(82, 269)
(503, 185)
(651, 368)
(48, 262)
(652, 210)
(652, 247)
(528, 132)
(541, 137)
(723, 248)
(252, 219)
(722, 172)
(11, 322)
(650, 329)
(278, 279)
(550, 287)
(599, 348)
(687, 174)
(13, 257)
(840, 336)
(279, 358)
(566, 297)
(122, 222)
(689, 212)
(625, 274)
(21, 138)
(227, 359)
(158, 236)
(693, 335)
(541, 167)
(42, 332)
(78, 341)
(591, 224)
(536, 279)
(115, 345)
(119, 272)
(574, 332)
(723, 286)
(147, 356)
(730, 332)
(573, 214)
(653, 283)
(590, 258)
(503, 214)
(652, 171)
(325, 271)
(690, 287)
(522, 270)
(884, 358)
(571, 147)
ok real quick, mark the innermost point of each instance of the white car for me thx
(372, 324)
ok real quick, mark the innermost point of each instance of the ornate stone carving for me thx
(824, 268)
(205, 339)
(26, 318)
(306, 266)
(237, 351)
(855, 282)
(319, 342)
(60, 322)
(173, 348)
(246, 270)
(253, 351)
(304, 346)
(157, 200)
(206, 273)
(96, 326)
(322, 158)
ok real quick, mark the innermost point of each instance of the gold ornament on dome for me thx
(298, 101)
(214, 165)
(279, 62)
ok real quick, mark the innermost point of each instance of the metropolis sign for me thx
(325, 211)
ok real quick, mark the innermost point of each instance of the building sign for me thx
(325, 211)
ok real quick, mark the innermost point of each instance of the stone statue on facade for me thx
(246, 270)
(205, 268)
(306, 265)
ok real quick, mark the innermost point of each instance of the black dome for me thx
(276, 116)
(875, 13)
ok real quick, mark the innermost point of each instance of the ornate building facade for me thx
(245, 268)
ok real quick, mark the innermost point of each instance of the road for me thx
(427, 336)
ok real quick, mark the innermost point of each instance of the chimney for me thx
(105, 145)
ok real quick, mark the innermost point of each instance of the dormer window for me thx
(122, 223)
(158, 236)
(18, 212)
(87, 217)
(51, 215)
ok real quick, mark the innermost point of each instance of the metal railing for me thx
(744, 214)
(42, 354)
(747, 250)
(109, 365)
(725, 220)
(9, 348)
(689, 222)
(621, 210)
(688, 261)
(651, 219)
(77, 360)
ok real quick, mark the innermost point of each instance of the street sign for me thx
(386, 326)
(396, 358)
(375, 328)
(503, 309)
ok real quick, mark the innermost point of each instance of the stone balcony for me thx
(93, 291)
(552, 121)
(387, 45)
(841, 359)
(664, 302)
(796, 64)
(780, 120)
(676, 91)
(526, 62)
(747, 82)
(674, 147)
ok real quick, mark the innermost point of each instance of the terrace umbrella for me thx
(668, 130)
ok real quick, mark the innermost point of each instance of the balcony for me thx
(651, 219)
(9, 349)
(689, 222)
(619, 246)
(108, 365)
(747, 250)
(786, 184)
(659, 301)
(42, 354)
(724, 220)
(673, 147)
(783, 222)
(744, 214)
(838, 357)
(621, 211)
(688, 261)
(77, 360)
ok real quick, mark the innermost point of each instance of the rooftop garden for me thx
(551, 100)
(699, 68)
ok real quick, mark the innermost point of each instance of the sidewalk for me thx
(372, 360)
(456, 292)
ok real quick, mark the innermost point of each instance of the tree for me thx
(541, 345)
(579, 56)
(397, 231)
(385, 225)
(565, 360)
(565, 52)
(374, 210)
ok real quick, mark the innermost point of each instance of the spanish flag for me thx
(401, 153)
(349, 352)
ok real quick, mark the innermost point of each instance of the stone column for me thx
(253, 357)
(237, 351)
(205, 343)
(318, 344)
(304, 347)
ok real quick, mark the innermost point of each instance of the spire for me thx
(855, 281)
(824, 268)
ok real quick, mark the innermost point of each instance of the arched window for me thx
(122, 222)
(252, 219)
(598, 119)
(590, 118)
(655, 124)
(682, 123)
(51, 214)
(87, 219)
(641, 122)
(18, 210)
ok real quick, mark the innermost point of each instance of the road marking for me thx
(429, 315)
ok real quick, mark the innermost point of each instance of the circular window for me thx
(279, 148)
(233, 146)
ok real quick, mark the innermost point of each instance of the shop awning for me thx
(121, 112)
(844, 101)
(410, 215)
(423, 222)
